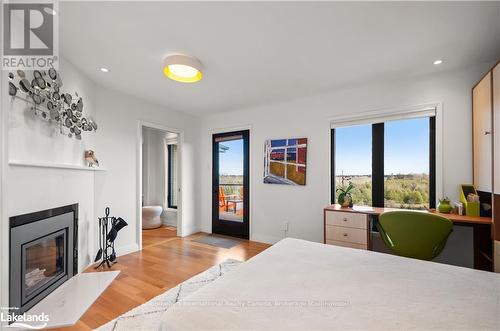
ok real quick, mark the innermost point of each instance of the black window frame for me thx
(378, 164)
(170, 176)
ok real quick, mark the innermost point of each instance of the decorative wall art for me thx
(48, 102)
(285, 161)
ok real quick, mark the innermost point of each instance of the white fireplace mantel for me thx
(17, 163)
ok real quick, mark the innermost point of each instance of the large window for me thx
(390, 164)
(172, 176)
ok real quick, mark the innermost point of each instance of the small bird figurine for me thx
(90, 158)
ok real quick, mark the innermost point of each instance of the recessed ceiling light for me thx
(104, 69)
(438, 62)
(182, 68)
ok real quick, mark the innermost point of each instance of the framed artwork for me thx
(285, 161)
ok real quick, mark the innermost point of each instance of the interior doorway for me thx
(230, 183)
(159, 184)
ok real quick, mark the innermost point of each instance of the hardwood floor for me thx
(165, 261)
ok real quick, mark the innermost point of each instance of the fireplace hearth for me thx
(43, 254)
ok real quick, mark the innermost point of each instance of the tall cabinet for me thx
(496, 164)
(482, 129)
(486, 147)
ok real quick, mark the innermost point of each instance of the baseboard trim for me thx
(169, 223)
(262, 238)
(124, 250)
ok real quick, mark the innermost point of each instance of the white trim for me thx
(403, 112)
(230, 129)
(140, 125)
(384, 115)
(211, 132)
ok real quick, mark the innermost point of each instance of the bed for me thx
(301, 285)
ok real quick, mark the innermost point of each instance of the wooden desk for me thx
(377, 211)
(483, 245)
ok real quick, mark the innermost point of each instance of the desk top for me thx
(378, 210)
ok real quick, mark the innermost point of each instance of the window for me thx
(391, 164)
(172, 176)
(406, 164)
(353, 161)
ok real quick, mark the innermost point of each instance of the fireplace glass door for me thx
(44, 263)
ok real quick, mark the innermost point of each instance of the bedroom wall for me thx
(310, 117)
(29, 189)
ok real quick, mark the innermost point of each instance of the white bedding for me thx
(283, 289)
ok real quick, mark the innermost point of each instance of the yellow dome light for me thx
(182, 68)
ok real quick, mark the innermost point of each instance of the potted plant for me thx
(444, 206)
(344, 197)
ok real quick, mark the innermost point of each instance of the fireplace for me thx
(43, 254)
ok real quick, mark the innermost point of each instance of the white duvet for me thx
(300, 285)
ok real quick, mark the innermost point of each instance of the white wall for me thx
(29, 189)
(271, 205)
(117, 140)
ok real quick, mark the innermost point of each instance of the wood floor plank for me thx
(165, 261)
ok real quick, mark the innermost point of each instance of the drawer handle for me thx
(345, 219)
(345, 234)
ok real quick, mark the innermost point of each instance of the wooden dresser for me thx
(347, 229)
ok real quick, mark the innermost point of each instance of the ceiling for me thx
(258, 53)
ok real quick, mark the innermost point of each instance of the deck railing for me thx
(231, 189)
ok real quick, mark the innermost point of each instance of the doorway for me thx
(231, 183)
(160, 164)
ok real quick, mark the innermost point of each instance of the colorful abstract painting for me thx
(285, 161)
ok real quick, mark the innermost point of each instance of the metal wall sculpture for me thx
(48, 102)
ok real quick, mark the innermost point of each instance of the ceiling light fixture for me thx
(438, 62)
(182, 68)
(104, 69)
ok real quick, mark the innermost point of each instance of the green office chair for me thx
(414, 234)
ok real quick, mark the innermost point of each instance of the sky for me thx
(406, 144)
(231, 161)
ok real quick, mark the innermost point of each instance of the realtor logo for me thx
(29, 37)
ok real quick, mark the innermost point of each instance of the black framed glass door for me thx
(230, 183)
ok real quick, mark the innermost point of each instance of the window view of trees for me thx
(406, 163)
(400, 191)
(407, 191)
(362, 191)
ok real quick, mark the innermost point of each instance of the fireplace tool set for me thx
(106, 251)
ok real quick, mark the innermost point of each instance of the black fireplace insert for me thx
(43, 254)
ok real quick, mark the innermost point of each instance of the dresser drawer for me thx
(349, 220)
(346, 244)
(351, 235)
